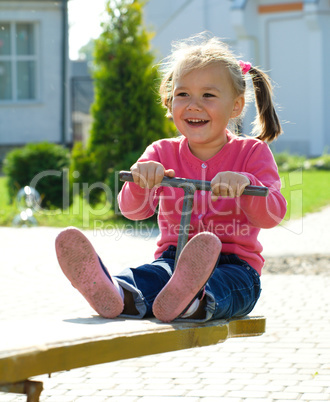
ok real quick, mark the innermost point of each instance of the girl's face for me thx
(203, 103)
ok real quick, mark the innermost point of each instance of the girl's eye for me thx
(182, 94)
(208, 95)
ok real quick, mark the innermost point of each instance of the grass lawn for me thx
(305, 192)
(80, 213)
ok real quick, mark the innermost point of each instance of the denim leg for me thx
(232, 290)
(146, 281)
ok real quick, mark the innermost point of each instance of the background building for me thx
(288, 39)
(81, 98)
(33, 73)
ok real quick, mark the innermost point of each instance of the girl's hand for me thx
(149, 174)
(228, 184)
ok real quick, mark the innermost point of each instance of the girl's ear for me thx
(239, 103)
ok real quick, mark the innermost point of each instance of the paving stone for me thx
(261, 395)
(314, 397)
(289, 362)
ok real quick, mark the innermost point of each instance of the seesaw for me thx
(65, 344)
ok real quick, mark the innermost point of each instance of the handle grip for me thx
(196, 184)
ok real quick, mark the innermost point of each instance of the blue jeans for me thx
(232, 290)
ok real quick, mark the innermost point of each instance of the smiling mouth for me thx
(196, 122)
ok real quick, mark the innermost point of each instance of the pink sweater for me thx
(236, 221)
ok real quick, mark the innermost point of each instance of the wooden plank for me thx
(33, 348)
(280, 7)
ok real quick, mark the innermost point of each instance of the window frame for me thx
(14, 58)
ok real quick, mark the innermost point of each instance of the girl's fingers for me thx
(140, 175)
(220, 189)
(228, 184)
(169, 173)
(156, 177)
(148, 175)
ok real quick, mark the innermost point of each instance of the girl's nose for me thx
(194, 105)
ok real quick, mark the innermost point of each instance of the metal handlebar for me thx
(190, 186)
(195, 184)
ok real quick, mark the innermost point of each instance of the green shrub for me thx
(321, 163)
(40, 166)
(113, 178)
(83, 173)
(287, 162)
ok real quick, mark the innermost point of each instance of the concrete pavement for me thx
(290, 362)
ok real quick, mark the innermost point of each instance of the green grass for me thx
(80, 214)
(6, 210)
(305, 192)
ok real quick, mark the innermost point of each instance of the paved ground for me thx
(290, 362)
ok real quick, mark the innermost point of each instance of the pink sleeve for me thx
(263, 212)
(137, 203)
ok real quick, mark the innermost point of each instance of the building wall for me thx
(288, 39)
(293, 55)
(39, 119)
(172, 20)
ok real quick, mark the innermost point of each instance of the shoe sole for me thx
(195, 266)
(80, 264)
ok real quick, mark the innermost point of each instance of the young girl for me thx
(218, 272)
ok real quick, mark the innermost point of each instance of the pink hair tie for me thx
(245, 66)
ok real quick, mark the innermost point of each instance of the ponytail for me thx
(266, 124)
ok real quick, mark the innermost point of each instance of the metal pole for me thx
(187, 206)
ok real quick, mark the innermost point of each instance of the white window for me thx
(18, 62)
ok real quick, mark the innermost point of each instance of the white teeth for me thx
(196, 121)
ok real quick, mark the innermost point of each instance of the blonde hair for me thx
(200, 51)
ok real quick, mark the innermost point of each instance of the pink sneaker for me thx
(82, 267)
(195, 266)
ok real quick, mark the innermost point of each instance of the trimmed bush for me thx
(40, 166)
(287, 162)
(321, 163)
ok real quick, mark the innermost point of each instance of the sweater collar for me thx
(230, 138)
